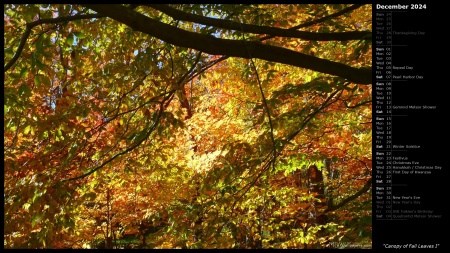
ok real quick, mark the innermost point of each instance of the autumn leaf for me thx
(187, 126)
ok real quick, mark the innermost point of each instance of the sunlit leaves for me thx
(92, 94)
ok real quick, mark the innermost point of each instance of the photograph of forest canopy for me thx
(188, 126)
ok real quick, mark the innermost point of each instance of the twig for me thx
(274, 150)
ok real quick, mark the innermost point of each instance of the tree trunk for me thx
(316, 188)
(315, 181)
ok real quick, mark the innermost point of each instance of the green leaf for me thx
(8, 52)
(39, 46)
(26, 206)
(80, 35)
(140, 136)
(46, 81)
(37, 81)
(73, 148)
(24, 72)
(70, 39)
(85, 43)
(91, 196)
(96, 156)
(85, 112)
(24, 90)
(39, 64)
(15, 75)
(33, 220)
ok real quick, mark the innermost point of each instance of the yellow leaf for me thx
(26, 206)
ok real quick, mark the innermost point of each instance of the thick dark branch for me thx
(351, 198)
(317, 21)
(334, 15)
(23, 40)
(31, 25)
(233, 48)
(338, 36)
(310, 23)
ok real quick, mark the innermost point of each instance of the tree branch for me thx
(351, 198)
(135, 145)
(334, 15)
(313, 22)
(30, 26)
(357, 105)
(310, 116)
(338, 36)
(234, 48)
(264, 102)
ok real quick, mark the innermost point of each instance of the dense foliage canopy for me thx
(187, 126)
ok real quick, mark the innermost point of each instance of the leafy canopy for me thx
(189, 126)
